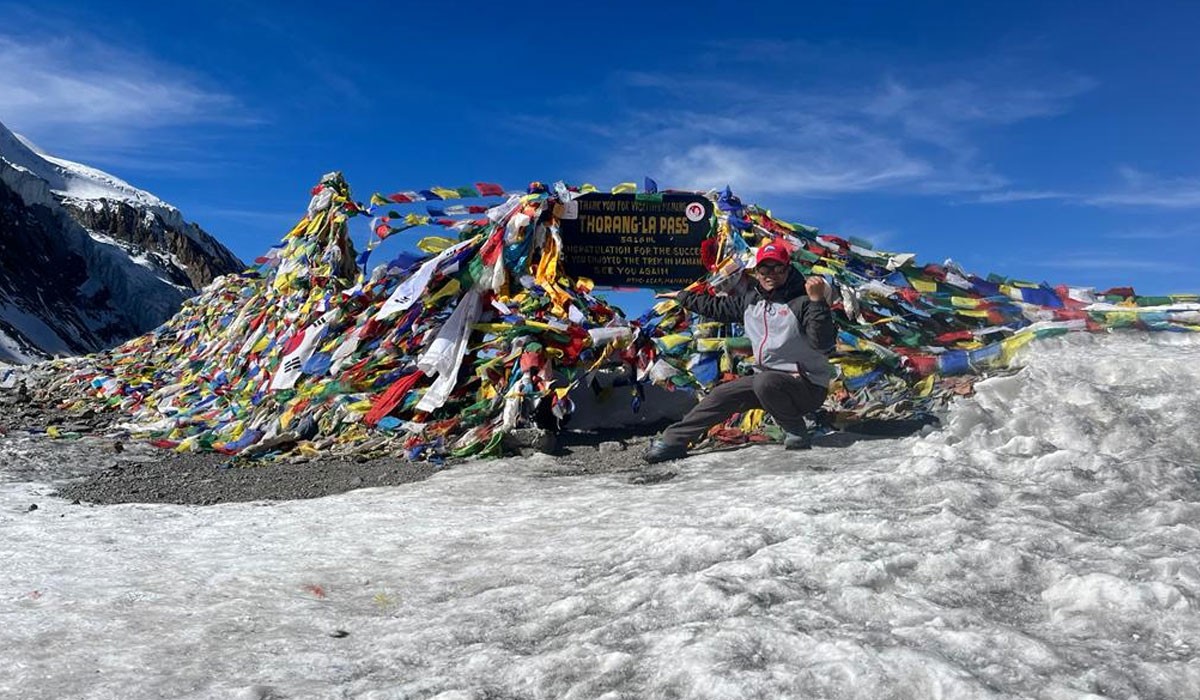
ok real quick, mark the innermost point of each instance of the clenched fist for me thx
(816, 288)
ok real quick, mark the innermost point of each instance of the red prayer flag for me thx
(954, 336)
(492, 247)
(708, 253)
(388, 400)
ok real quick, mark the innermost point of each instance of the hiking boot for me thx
(797, 441)
(660, 451)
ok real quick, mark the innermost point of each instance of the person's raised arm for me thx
(817, 318)
(726, 309)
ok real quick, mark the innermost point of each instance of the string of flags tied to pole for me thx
(310, 353)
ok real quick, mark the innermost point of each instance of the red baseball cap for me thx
(773, 252)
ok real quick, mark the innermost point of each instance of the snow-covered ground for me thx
(1043, 544)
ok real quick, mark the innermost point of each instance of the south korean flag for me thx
(299, 348)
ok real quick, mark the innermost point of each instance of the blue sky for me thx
(1045, 141)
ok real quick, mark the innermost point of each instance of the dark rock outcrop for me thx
(200, 259)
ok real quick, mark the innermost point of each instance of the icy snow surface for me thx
(1042, 544)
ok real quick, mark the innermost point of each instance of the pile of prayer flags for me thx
(444, 353)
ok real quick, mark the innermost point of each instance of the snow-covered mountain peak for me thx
(89, 260)
(69, 179)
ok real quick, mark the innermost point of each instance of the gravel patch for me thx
(205, 479)
(90, 462)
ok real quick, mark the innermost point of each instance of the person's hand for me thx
(666, 295)
(816, 288)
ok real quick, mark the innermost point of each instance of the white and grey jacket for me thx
(787, 330)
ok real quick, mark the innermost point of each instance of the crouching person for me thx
(788, 322)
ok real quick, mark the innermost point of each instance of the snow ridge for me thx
(70, 179)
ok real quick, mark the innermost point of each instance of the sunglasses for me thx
(771, 268)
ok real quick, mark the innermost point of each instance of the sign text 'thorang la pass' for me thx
(627, 240)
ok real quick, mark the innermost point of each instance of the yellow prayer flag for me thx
(673, 340)
(851, 368)
(493, 328)
(435, 244)
(445, 193)
(450, 288)
(925, 286)
(547, 276)
(664, 306)
(752, 419)
(625, 188)
(1009, 346)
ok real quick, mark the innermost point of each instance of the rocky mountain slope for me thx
(87, 260)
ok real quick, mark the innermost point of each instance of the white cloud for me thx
(1106, 261)
(1146, 233)
(758, 145)
(1004, 196)
(1139, 189)
(808, 165)
(939, 113)
(80, 92)
(896, 136)
(1144, 190)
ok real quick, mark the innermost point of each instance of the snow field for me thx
(1041, 544)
